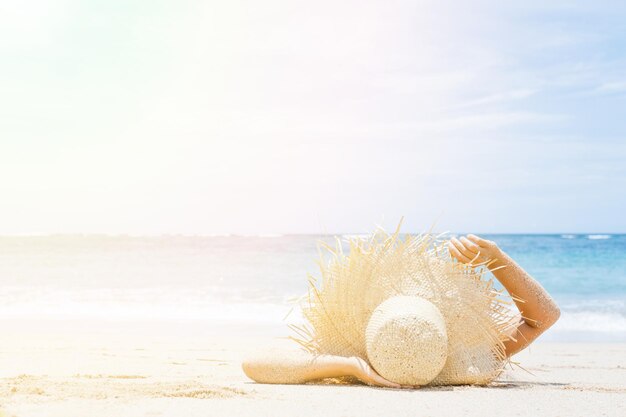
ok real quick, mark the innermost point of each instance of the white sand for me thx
(93, 369)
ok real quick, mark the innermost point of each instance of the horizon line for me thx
(277, 235)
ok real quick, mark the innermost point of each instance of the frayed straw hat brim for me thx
(338, 307)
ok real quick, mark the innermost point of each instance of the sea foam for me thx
(598, 237)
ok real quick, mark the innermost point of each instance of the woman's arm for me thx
(538, 309)
(296, 367)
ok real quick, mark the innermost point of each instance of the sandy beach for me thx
(86, 368)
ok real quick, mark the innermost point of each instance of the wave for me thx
(568, 236)
(591, 321)
(139, 304)
(356, 236)
(265, 235)
(598, 237)
(221, 235)
(601, 316)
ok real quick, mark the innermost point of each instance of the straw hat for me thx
(354, 311)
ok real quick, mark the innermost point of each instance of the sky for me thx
(249, 117)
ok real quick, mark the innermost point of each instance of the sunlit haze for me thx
(263, 117)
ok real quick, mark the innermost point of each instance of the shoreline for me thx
(236, 327)
(88, 368)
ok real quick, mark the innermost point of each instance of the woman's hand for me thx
(474, 251)
(364, 372)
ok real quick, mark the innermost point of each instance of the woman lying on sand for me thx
(538, 309)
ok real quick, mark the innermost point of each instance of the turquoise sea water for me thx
(251, 278)
(586, 274)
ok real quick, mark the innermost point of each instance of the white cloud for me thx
(499, 97)
(612, 87)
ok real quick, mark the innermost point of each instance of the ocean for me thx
(253, 279)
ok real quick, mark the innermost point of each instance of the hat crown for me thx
(406, 340)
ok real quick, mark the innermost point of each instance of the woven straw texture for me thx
(338, 307)
(406, 340)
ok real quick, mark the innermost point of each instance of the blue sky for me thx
(248, 117)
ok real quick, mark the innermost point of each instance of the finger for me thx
(457, 243)
(455, 253)
(469, 245)
(370, 380)
(375, 379)
(379, 380)
(478, 240)
(458, 255)
(370, 377)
